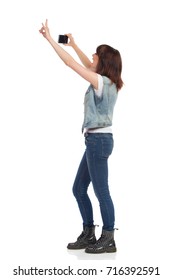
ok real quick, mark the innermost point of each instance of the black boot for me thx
(86, 238)
(105, 244)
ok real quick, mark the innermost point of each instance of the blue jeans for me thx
(94, 168)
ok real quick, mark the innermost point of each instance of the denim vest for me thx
(98, 111)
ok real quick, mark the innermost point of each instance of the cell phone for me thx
(63, 39)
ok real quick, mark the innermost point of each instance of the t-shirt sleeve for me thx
(99, 91)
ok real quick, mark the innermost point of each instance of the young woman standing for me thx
(104, 76)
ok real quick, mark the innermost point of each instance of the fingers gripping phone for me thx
(63, 39)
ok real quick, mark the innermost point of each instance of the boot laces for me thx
(81, 235)
(100, 239)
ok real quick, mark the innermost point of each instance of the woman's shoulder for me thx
(106, 80)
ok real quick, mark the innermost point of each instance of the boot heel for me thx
(111, 250)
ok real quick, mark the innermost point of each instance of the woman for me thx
(104, 76)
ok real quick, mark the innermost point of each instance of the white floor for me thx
(40, 241)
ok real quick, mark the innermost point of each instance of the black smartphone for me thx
(63, 39)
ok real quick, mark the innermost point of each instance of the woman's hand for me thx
(71, 42)
(45, 30)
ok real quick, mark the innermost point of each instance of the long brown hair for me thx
(110, 64)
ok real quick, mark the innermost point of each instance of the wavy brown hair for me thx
(110, 64)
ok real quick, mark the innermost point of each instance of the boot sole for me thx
(107, 250)
(80, 247)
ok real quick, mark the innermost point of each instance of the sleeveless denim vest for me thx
(98, 111)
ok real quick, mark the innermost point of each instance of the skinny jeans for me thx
(93, 169)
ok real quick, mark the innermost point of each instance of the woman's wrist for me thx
(75, 47)
(49, 38)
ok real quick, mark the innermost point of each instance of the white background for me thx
(41, 112)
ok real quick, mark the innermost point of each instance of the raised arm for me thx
(83, 58)
(86, 73)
